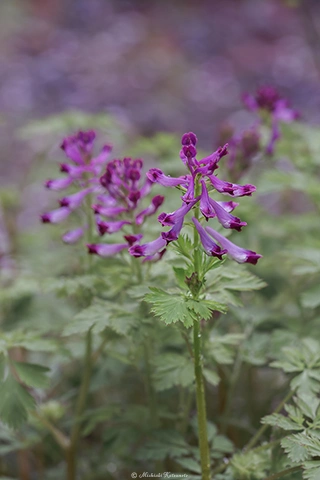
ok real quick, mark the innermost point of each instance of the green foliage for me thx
(303, 360)
(15, 402)
(172, 369)
(172, 307)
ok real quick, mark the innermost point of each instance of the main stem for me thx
(198, 371)
(71, 453)
(201, 403)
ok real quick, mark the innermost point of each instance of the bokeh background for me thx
(168, 66)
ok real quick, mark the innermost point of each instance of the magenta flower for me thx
(268, 99)
(56, 216)
(200, 173)
(238, 254)
(148, 249)
(106, 249)
(209, 246)
(111, 227)
(83, 175)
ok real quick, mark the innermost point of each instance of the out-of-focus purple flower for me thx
(148, 249)
(209, 246)
(106, 249)
(156, 202)
(56, 216)
(238, 254)
(74, 201)
(82, 174)
(108, 211)
(59, 183)
(111, 227)
(73, 236)
(268, 99)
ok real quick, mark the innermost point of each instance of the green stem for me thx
(264, 427)
(152, 401)
(71, 453)
(201, 403)
(283, 473)
(198, 364)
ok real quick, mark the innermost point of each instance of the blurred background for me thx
(168, 66)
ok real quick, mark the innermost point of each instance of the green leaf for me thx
(99, 316)
(311, 298)
(211, 376)
(311, 470)
(168, 443)
(15, 401)
(279, 421)
(223, 347)
(180, 274)
(172, 369)
(170, 307)
(295, 447)
(31, 374)
(189, 464)
(184, 246)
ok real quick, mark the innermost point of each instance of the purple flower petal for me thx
(206, 207)
(156, 202)
(73, 170)
(154, 258)
(59, 183)
(132, 239)
(73, 236)
(210, 247)
(148, 249)
(231, 189)
(108, 211)
(56, 216)
(157, 176)
(189, 195)
(74, 201)
(172, 218)
(238, 254)
(226, 219)
(174, 233)
(228, 206)
(106, 250)
(110, 227)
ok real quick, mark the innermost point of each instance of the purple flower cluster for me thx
(82, 173)
(116, 194)
(120, 204)
(195, 187)
(268, 99)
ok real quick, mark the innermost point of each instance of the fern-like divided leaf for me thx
(173, 307)
(15, 402)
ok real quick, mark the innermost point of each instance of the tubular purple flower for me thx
(132, 239)
(172, 218)
(232, 189)
(228, 206)
(206, 207)
(156, 202)
(154, 258)
(157, 176)
(72, 170)
(56, 216)
(174, 233)
(211, 162)
(107, 200)
(226, 219)
(108, 211)
(148, 249)
(189, 139)
(238, 254)
(210, 247)
(73, 236)
(59, 183)
(189, 195)
(76, 147)
(111, 227)
(105, 249)
(74, 201)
